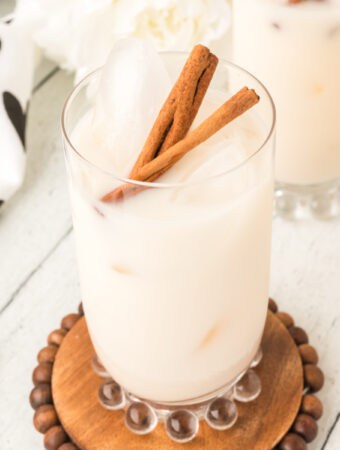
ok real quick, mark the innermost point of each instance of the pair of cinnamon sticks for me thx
(170, 138)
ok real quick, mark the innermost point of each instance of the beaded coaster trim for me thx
(303, 431)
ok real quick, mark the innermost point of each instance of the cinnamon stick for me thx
(230, 110)
(179, 110)
(189, 97)
(173, 122)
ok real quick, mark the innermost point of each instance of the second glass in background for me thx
(294, 49)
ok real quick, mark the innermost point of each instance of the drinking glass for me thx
(174, 280)
(294, 49)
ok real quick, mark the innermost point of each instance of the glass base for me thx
(181, 422)
(320, 201)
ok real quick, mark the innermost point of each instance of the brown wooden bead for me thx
(81, 309)
(308, 354)
(42, 374)
(45, 417)
(306, 426)
(312, 405)
(68, 446)
(47, 354)
(69, 320)
(285, 318)
(41, 395)
(54, 438)
(314, 377)
(299, 335)
(56, 337)
(293, 441)
(272, 306)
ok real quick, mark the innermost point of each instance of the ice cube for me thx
(133, 86)
(218, 158)
(205, 169)
(211, 158)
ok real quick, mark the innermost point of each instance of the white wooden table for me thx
(38, 283)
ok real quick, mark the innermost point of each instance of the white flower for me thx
(79, 34)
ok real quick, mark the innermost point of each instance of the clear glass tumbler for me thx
(294, 49)
(174, 280)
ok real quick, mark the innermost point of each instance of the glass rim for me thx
(72, 95)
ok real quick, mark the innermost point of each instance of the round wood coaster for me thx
(261, 423)
(281, 417)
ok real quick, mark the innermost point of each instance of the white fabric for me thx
(16, 73)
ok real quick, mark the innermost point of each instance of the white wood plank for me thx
(24, 327)
(306, 283)
(45, 69)
(333, 443)
(6, 7)
(34, 220)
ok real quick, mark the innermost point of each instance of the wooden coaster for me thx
(273, 419)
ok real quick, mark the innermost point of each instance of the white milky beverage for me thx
(174, 279)
(295, 50)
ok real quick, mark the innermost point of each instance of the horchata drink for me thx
(171, 191)
(294, 48)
